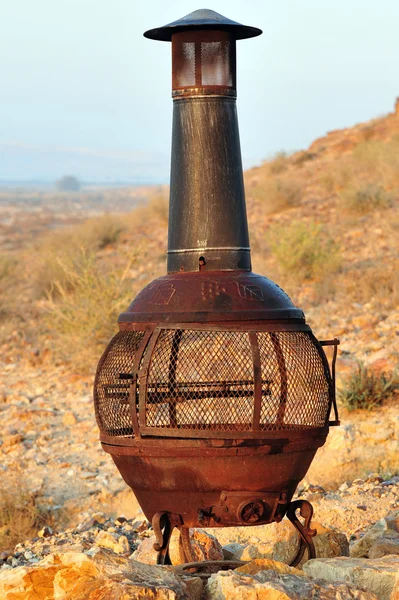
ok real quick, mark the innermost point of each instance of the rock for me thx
(267, 564)
(392, 521)
(361, 547)
(145, 552)
(231, 551)
(119, 545)
(76, 576)
(328, 543)
(388, 543)
(269, 585)
(204, 545)
(281, 543)
(46, 531)
(376, 575)
(68, 418)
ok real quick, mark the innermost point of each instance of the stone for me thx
(204, 545)
(281, 543)
(360, 549)
(119, 545)
(45, 532)
(76, 576)
(269, 585)
(68, 419)
(328, 543)
(378, 576)
(267, 564)
(388, 543)
(232, 550)
(145, 552)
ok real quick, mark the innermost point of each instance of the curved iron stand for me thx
(163, 524)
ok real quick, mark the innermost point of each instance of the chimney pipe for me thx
(208, 227)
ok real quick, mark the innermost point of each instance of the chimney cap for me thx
(202, 19)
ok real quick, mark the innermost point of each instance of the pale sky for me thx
(80, 74)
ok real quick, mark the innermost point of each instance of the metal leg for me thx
(305, 531)
(187, 553)
(163, 524)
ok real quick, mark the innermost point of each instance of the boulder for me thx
(360, 549)
(204, 545)
(270, 585)
(104, 576)
(379, 576)
(118, 544)
(280, 542)
(388, 543)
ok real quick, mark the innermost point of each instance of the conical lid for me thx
(202, 19)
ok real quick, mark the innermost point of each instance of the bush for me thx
(278, 163)
(61, 252)
(365, 197)
(20, 514)
(275, 194)
(304, 250)
(83, 309)
(9, 283)
(366, 389)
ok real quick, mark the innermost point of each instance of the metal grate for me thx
(297, 393)
(204, 380)
(201, 380)
(113, 383)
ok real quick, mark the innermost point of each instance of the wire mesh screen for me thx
(113, 383)
(205, 380)
(295, 382)
(201, 380)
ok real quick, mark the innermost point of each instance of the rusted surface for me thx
(211, 297)
(200, 486)
(202, 20)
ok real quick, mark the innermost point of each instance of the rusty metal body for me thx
(215, 395)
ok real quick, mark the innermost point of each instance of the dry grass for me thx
(367, 179)
(61, 252)
(276, 194)
(304, 250)
(8, 269)
(364, 282)
(360, 198)
(367, 389)
(83, 306)
(20, 514)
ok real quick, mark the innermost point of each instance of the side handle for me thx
(335, 343)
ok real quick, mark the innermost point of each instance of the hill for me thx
(324, 224)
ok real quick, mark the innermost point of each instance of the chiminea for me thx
(215, 395)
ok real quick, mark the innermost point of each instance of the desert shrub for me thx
(278, 163)
(276, 194)
(361, 198)
(82, 309)
(61, 252)
(366, 389)
(100, 232)
(304, 250)
(21, 516)
(363, 282)
(9, 283)
(379, 160)
(338, 176)
(371, 170)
